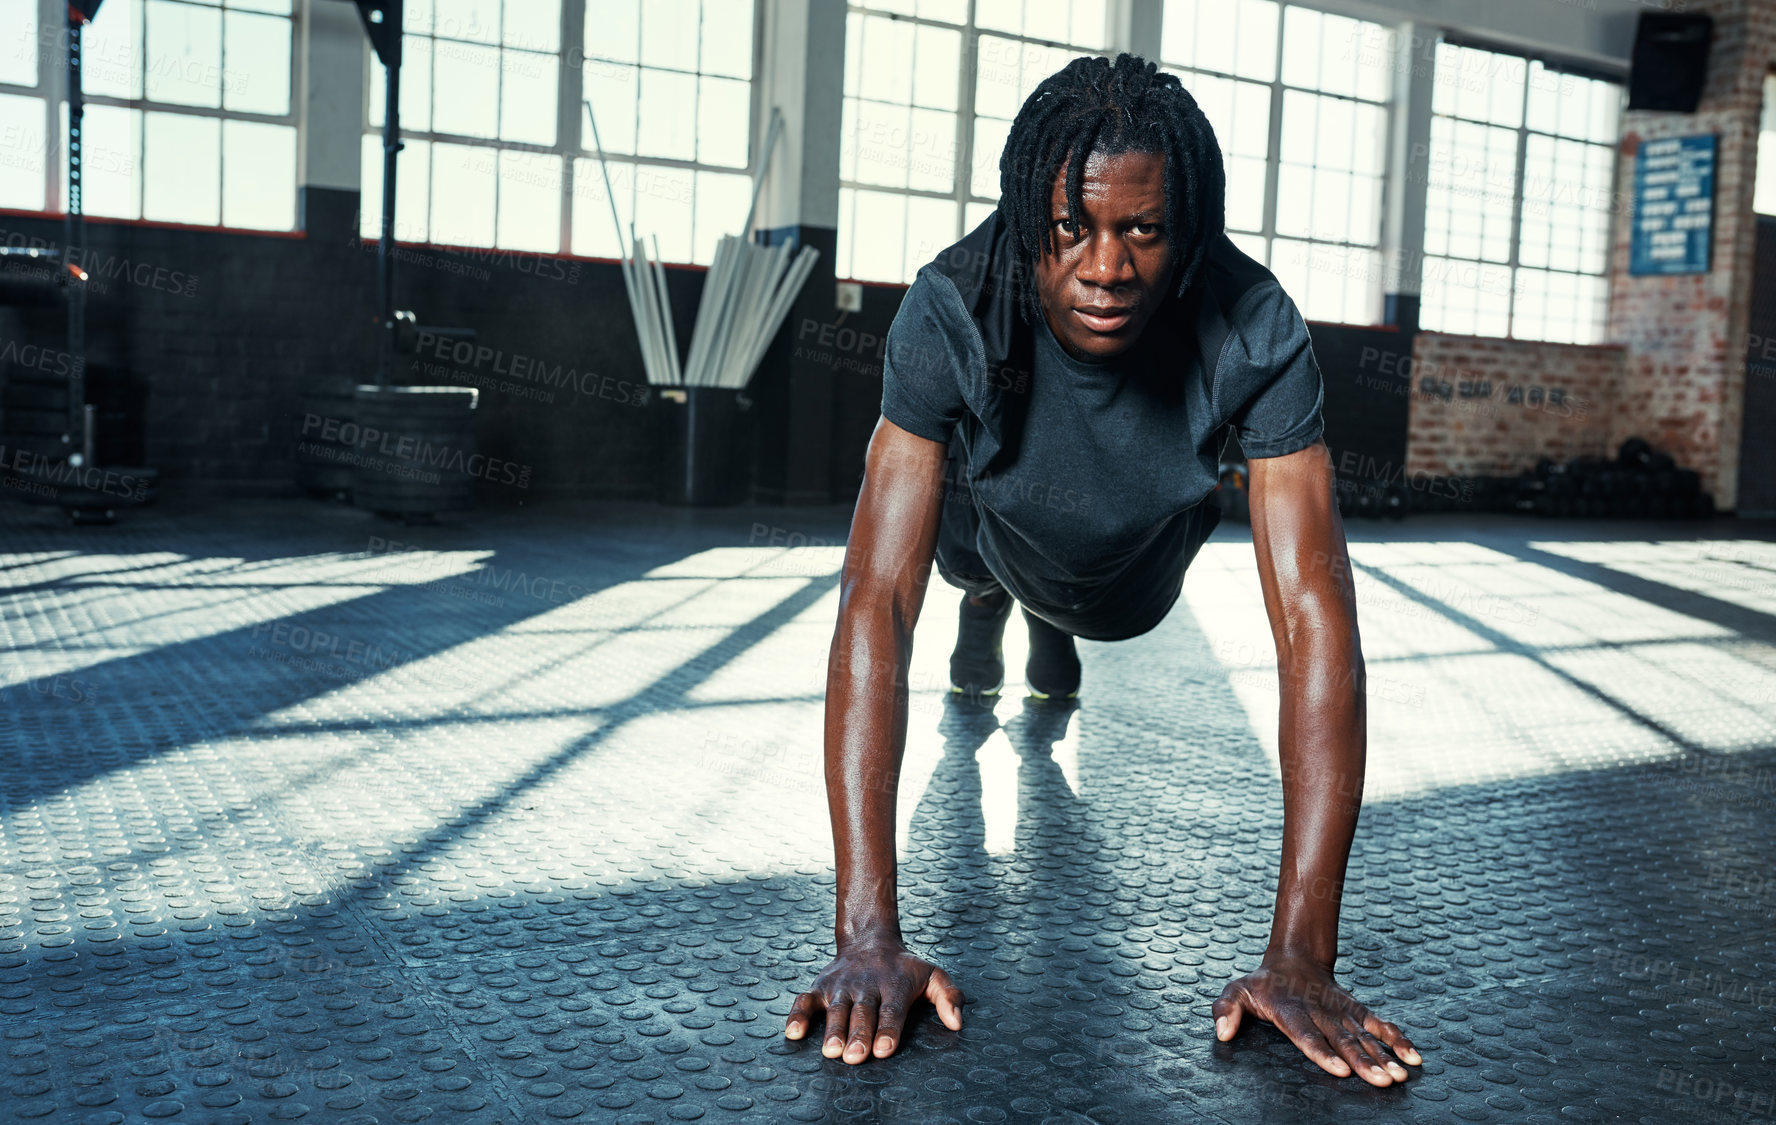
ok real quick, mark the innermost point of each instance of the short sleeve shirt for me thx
(1113, 453)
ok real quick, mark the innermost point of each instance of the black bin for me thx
(703, 445)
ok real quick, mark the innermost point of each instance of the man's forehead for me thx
(1105, 174)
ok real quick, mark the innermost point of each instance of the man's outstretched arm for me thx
(869, 987)
(1311, 601)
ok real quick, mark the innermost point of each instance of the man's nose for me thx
(1106, 262)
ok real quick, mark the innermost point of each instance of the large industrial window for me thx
(497, 140)
(1521, 181)
(929, 99)
(1764, 201)
(188, 115)
(24, 115)
(1298, 99)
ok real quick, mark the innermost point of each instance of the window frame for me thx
(961, 191)
(1391, 191)
(1523, 131)
(568, 145)
(52, 91)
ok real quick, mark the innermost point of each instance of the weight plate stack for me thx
(413, 449)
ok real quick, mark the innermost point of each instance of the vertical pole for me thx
(394, 20)
(73, 235)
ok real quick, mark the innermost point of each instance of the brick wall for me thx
(1683, 389)
(1489, 407)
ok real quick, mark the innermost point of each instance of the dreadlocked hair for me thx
(1092, 105)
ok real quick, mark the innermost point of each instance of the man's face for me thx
(1112, 265)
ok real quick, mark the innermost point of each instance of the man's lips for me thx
(1102, 318)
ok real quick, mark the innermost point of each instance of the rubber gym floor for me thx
(520, 818)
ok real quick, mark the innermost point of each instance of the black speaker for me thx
(1670, 61)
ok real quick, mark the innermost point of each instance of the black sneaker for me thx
(977, 666)
(1052, 670)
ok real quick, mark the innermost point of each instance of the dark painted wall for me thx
(213, 340)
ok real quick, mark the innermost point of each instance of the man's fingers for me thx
(890, 1018)
(1393, 1037)
(946, 998)
(863, 1029)
(1229, 1008)
(801, 1014)
(1379, 1052)
(1302, 1032)
(838, 1019)
(1362, 1064)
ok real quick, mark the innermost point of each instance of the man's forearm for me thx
(1322, 749)
(866, 717)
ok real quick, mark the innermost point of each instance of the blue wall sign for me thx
(1673, 206)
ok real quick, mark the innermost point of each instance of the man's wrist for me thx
(1278, 954)
(852, 938)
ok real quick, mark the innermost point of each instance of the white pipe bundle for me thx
(644, 279)
(746, 295)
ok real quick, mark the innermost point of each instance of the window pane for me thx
(182, 168)
(21, 152)
(931, 158)
(275, 7)
(1257, 40)
(878, 248)
(720, 209)
(111, 174)
(727, 38)
(881, 135)
(613, 30)
(665, 34)
(110, 49)
(593, 234)
(418, 18)
(1000, 15)
(18, 26)
(1245, 193)
(1047, 19)
(931, 226)
(411, 194)
(530, 201)
(1090, 25)
(887, 60)
(476, 21)
(724, 107)
(1338, 54)
(975, 214)
(416, 86)
(1301, 47)
(528, 96)
(258, 176)
(668, 115)
(611, 89)
(465, 89)
(663, 210)
(1250, 244)
(256, 78)
(532, 25)
(184, 53)
(996, 78)
(989, 143)
(462, 196)
(1217, 34)
(938, 63)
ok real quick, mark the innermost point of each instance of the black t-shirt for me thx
(1093, 505)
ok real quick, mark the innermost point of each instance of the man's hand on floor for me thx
(1320, 1017)
(866, 992)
